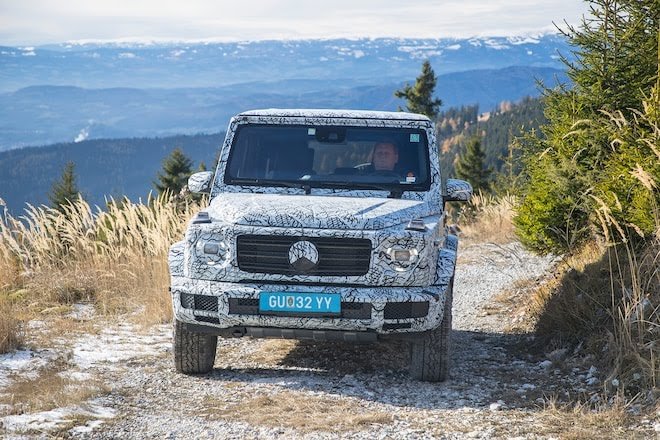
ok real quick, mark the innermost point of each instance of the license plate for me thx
(295, 302)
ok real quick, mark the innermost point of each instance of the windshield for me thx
(394, 159)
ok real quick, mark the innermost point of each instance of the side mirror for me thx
(458, 191)
(200, 182)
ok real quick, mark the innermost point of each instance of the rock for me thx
(497, 406)
(593, 381)
(545, 365)
(557, 355)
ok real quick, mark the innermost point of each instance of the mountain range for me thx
(77, 91)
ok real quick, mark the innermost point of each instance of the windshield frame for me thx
(345, 183)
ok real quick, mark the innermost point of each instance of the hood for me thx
(319, 212)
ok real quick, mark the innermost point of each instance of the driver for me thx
(385, 156)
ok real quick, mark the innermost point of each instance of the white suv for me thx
(323, 225)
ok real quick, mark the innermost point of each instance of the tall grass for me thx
(115, 258)
(634, 305)
(488, 218)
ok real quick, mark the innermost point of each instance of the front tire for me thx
(430, 355)
(194, 353)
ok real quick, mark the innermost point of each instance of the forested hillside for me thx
(113, 167)
(120, 167)
(495, 129)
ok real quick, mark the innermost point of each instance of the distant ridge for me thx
(214, 64)
(112, 167)
(39, 115)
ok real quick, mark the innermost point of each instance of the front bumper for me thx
(379, 310)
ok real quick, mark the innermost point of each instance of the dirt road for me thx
(499, 387)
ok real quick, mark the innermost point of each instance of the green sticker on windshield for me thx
(414, 137)
(311, 131)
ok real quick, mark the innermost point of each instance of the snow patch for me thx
(117, 345)
(523, 40)
(80, 311)
(76, 375)
(83, 135)
(495, 44)
(24, 363)
(49, 420)
(420, 51)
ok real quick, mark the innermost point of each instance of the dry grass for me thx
(515, 305)
(488, 219)
(303, 412)
(608, 299)
(48, 390)
(581, 422)
(114, 258)
(11, 327)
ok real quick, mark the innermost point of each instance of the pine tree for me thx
(64, 191)
(176, 170)
(615, 67)
(419, 98)
(470, 166)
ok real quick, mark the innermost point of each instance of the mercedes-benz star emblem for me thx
(303, 256)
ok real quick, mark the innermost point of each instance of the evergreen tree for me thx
(419, 98)
(616, 66)
(176, 170)
(470, 166)
(65, 190)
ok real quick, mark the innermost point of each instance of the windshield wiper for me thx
(298, 185)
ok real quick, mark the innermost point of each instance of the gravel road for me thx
(287, 389)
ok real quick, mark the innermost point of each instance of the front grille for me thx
(270, 254)
(405, 310)
(349, 310)
(243, 306)
(199, 302)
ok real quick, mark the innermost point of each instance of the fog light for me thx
(213, 252)
(402, 255)
(212, 248)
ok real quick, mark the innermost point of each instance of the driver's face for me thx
(385, 157)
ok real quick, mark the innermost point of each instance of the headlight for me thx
(403, 259)
(213, 252)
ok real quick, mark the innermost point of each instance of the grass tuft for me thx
(487, 218)
(11, 326)
(303, 412)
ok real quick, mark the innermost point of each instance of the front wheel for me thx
(194, 353)
(430, 355)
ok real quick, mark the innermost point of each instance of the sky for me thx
(34, 22)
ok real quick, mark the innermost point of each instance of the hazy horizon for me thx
(42, 22)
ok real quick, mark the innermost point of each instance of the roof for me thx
(335, 113)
